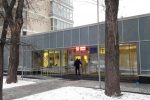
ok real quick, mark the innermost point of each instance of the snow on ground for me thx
(19, 83)
(80, 93)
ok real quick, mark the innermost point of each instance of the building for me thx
(46, 16)
(55, 51)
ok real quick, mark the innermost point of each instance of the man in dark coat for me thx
(77, 64)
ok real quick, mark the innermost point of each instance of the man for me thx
(77, 64)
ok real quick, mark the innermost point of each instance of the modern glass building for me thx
(48, 15)
(56, 51)
(61, 13)
(45, 16)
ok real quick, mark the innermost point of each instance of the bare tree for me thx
(13, 21)
(7, 17)
(15, 27)
(112, 77)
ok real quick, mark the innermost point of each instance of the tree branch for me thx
(5, 4)
(19, 9)
(12, 4)
(1, 15)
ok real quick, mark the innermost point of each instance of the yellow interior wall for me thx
(45, 59)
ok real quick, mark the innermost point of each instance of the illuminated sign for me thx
(80, 48)
(77, 49)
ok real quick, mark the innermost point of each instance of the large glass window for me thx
(57, 58)
(128, 59)
(37, 59)
(64, 60)
(45, 58)
(62, 11)
(55, 24)
(52, 24)
(51, 57)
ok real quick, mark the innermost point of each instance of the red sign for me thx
(77, 49)
(80, 48)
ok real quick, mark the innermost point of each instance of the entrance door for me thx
(128, 59)
(84, 61)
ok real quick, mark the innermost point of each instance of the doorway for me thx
(128, 59)
(84, 61)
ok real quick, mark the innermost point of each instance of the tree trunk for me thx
(112, 77)
(14, 58)
(1, 70)
(15, 28)
(2, 43)
(14, 53)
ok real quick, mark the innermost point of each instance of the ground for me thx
(64, 89)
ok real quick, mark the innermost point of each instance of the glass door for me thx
(128, 59)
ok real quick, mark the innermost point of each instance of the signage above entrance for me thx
(80, 48)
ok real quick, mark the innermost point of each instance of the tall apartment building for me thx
(46, 15)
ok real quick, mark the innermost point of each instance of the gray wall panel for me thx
(93, 34)
(6, 57)
(25, 40)
(145, 56)
(27, 59)
(40, 41)
(53, 40)
(120, 31)
(144, 28)
(46, 40)
(60, 39)
(75, 37)
(102, 33)
(84, 36)
(67, 38)
(130, 30)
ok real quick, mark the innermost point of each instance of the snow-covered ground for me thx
(80, 93)
(72, 93)
(19, 83)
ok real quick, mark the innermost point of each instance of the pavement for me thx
(50, 83)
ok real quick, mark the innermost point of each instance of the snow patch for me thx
(81, 93)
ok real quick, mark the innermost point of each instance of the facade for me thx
(46, 16)
(58, 49)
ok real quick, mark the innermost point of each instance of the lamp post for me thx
(98, 45)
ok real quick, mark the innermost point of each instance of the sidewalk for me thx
(53, 83)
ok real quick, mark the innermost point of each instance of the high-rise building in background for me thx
(45, 16)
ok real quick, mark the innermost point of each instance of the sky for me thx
(85, 11)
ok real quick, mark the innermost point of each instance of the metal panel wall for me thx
(67, 38)
(84, 36)
(144, 28)
(120, 31)
(60, 39)
(75, 37)
(20, 56)
(34, 41)
(23, 41)
(130, 30)
(102, 33)
(40, 41)
(46, 41)
(27, 59)
(93, 34)
(6, 57)
(53, 40)
(145, 56)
